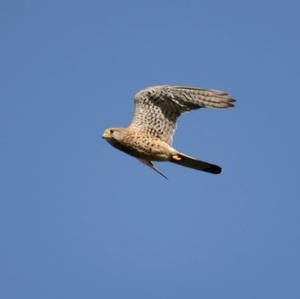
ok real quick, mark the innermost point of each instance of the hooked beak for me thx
(106, 135)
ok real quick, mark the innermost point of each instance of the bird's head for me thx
(113, 134)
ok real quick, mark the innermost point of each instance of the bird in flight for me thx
(149, 137)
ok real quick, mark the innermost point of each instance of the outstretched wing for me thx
(157, 108)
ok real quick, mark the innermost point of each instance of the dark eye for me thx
(111, 131)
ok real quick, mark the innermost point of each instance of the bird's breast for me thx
(144, 147)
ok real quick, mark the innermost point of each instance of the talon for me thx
(176, 157)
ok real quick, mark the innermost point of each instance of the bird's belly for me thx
(148, 152)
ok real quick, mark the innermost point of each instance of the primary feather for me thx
(158, 108)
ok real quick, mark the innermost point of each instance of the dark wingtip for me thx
(231, 102)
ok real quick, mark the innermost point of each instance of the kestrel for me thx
(150, 135)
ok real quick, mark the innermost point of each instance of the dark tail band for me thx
(187, 161)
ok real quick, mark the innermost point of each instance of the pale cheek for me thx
(117, 137)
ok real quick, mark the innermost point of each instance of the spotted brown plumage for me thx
(150, 135)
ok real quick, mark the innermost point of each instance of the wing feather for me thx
(157, 108)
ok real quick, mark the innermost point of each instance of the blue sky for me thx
(79, 219)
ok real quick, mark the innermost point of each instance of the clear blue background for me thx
(79, 219)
